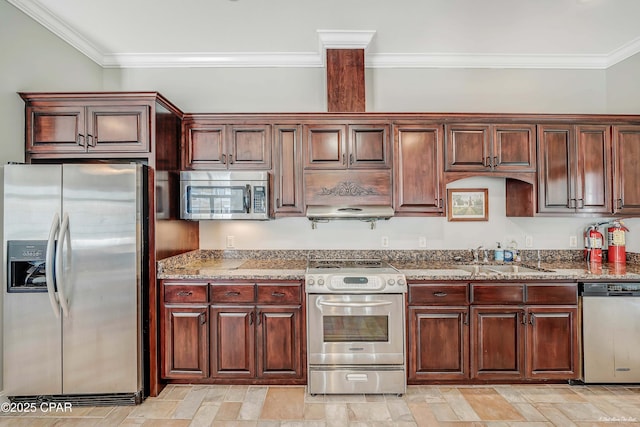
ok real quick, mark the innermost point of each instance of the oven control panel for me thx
(335, 283)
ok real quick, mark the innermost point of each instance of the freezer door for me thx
(31, 332)
(100, 274)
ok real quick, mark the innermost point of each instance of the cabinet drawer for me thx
(232, 293)
(497, 294)
(181, 293)
(552, 294)
(279, 294)
(439, 294)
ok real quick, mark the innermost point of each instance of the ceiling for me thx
(583, 34)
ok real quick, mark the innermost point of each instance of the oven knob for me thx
(310, 281)
(391, 282)
(320, 282)
(401, 282)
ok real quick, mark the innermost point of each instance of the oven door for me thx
(355, 329)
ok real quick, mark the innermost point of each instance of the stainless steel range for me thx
(355, 327)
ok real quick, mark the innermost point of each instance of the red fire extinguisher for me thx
(616, 240)
(593, 242)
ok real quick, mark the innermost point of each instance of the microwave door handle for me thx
(247, 199)
(49, 265)
(64, 237)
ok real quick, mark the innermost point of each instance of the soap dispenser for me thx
(498, 254)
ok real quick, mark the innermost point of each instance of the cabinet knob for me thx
(184, 293)
(350, 159)
(440, 294)
(344, 158)
(203, 318)
(277, 294)
(232, 294)
(230, 159)
(224, 159)
(79, 141)
(619, 203)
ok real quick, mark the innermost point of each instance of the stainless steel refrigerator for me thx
(73, 278)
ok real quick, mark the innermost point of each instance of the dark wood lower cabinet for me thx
(552, 342)
(185, 338)
(232, 342)
(504, 332)
(280, 340)
(439, 339)
(497, 340)
(248, 333)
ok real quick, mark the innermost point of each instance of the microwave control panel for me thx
(259, 199)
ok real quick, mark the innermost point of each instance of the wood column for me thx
(345, 80)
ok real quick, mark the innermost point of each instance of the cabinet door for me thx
(556, 163)
(593, 176)
(497, 343)
(233, 342)
(118, 128)
(325, 147)
(418, 183)
(438, 343)
(626, 173)
(185, 343)
(249, 147)
(369, 146)
(55, 129)
(468, 148)
(287, 192)
(279, 342)
(204, 147)
(574, 169)
(552, 342)
(514, 148)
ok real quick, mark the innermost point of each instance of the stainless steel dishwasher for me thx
(611, 332)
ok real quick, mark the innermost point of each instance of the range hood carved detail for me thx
(347, 188)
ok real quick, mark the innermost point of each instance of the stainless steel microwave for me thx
(224, 195)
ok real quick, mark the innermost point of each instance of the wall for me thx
(623, 90)
(33, 59)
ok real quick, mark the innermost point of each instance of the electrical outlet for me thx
(422, 242)
(384, 242)
(573, 241)
(528, 241)
(231, 241)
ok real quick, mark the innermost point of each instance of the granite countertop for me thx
(197, 265)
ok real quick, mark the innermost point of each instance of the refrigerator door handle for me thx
(49, 277)
(64, 238)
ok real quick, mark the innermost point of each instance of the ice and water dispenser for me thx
(27, 266)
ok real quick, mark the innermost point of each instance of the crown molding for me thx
(345, 39)
(449, 60)
(328, 39)
(213, 60)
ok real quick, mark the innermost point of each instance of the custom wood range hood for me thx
(346, 94)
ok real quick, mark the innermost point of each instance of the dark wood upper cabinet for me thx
(626, 173)
(574, 169)
(325, 146)
(490, 148)
(341, 146)
(213, 145)
(418, 183)
(104, 127)
(287, 170)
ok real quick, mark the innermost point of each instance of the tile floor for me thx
(495, 406)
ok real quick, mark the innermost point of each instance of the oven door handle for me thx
(354, 304)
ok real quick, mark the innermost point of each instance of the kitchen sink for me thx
(498, 268)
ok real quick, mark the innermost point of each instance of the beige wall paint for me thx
(623, 87)
(33, 59)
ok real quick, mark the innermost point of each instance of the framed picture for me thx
(467, 204)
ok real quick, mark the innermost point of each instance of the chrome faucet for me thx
(476, 254)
